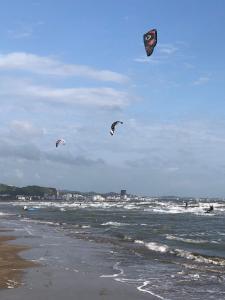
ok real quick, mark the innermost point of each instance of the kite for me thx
(60, 142)
(113, 126)
(150, 41)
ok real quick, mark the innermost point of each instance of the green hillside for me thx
(32, 190)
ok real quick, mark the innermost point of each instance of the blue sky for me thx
(68, 69)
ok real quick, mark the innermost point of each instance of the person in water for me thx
(210, 209)
(186, 205)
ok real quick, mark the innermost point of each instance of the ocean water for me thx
(154, 244)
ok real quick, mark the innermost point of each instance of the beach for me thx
(11, 264)
(149, 249)
(38, 262)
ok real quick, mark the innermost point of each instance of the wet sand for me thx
(65, 268)
(11, 264)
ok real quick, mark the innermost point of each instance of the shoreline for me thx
(70, 268)
(12, 265)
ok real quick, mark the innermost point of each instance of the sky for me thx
(69, 68)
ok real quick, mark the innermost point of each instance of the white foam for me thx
(198, 258)
(85, 226)
(142, 289)
(177, 238)
(154, 246)
(162, 248)
(117, 268)
(39, 222)
(28, 231)
(114, 224)
(139, 242)
(6, 214)
(44, 245)
(11, 284)
(157, 247)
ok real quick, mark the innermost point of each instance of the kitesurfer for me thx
(211, 208)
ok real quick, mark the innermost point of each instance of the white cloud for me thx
(24, 129)
(19, 173)
(49, 66)
(147, 60)
(167, 49)
(188, 65)
(148, 157)
(161, 55)
(21, 151)
(20, 34)
(23, 30)
(201, 80)
(103, 97)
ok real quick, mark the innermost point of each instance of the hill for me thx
(31, 190)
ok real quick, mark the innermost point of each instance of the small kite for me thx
(60, 142)
(113, 126)
(150, 41)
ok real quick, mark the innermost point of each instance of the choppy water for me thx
(157, 245)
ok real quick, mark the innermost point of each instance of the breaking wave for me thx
(162, 248)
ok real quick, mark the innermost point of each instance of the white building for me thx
(67, 196)
(19, 197)
(98, 198)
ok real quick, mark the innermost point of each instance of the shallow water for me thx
(159, 246)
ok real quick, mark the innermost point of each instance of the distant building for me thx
(123, 194)
(98, 198)
(78, 197)
(67, 196)
(113, 198)
(21, 197)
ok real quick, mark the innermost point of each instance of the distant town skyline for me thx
(68, 69)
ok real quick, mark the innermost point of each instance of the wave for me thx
(154, 246)
(152, 205)
(117, 268)
(142, 288)
(199, 258)
(6, 214)
(186, 240)
(110, 223)
(40, 222)
(163, 248)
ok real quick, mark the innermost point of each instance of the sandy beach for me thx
(11, 264)
(36, 261)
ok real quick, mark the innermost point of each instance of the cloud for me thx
(20, 34)
(189, 65)
(201, 80)
(161, 54)
(69, 159)
(30, 152)
(19, 173)
(167, 49)
(43, 65)
(147, 60)
(27, 151)
(24, 130)
(24, 30)
(103, 97)
(173, 144)
(172, 157)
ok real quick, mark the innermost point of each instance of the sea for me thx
(155, 244)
